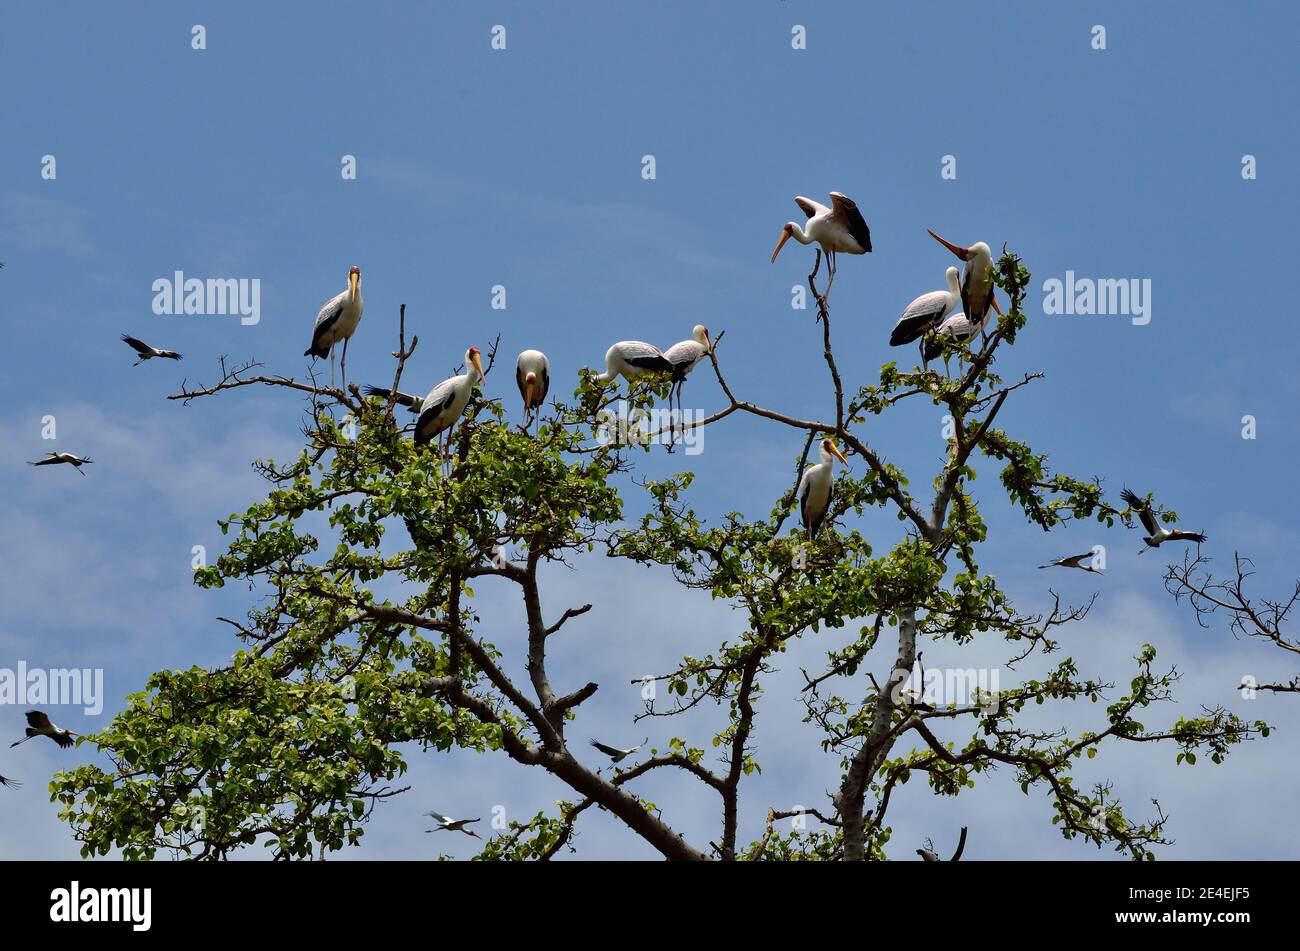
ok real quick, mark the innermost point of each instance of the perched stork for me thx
(533, 374)
(38, 724)
(1157, 534)
(976, 280)
(57, 458)
(926, 312)
(615, 754)
(451, 825)
(631, 359)
(446, 401)
(840, 227)
(683, 357)
(412, 403)
(959, 327)
(817, 487)
(337, 321)
(1074, 561)
(147, 352)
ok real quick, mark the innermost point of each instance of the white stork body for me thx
(338, 320)
(533, 375)
(448, 824)
(38, 724)
(1074, 561)
(959, 327)
(926, 312)
(446, 401)
(683, 357)
(147, 352)
(63, 458)
(616, 754)
(840, 227)
(816, 488)
(631, 359)
(1157, 534)
(976, 279)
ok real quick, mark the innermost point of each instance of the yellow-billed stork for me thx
(926, 312)
(959, 327)
(446, 401)
(63, 458)
(533, 375)
(683, 356)
(1157, 534)
(147, 352)
(38, 724)
(1074, 561)
(631, 359)
(338, 320)
(448, 824)
(840, 227)
(616, 754)
(817, 488)
(976, 280)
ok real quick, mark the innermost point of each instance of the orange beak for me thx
(958, 250)
(478, 367)
(835, 451)
(354, 279)
(785, 236)
(528, 392)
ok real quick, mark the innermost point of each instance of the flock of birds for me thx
(836, 228)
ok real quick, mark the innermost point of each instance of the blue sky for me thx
(522, 168)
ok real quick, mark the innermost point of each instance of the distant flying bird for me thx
(412, 403)
(337, 321)
(533, 374)
(631, 359)
(446, 401)
(446, 823)
(38, 724)
(958, 327)
(1074, 561)
(615, 754)
(816, 488)
(840, 227)
(683, 357)
(56, 458)
(1157, 534)
(926, 312)
(147, 352)
(976, 280)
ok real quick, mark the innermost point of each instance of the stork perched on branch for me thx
(632, 359)
(976, 280)
(683, 357)
(446, 401)
(840, 227)
(338, 320)
(533, 376)
(817, 487)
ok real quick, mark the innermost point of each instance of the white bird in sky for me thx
(147, 352)
(57, 458)
(38, 724)
(533, 374)
(615, 754)
(1074, 561)
(337, 321)
(976, 280)
(446, 401)
(840, 227)
(631, 359)
(926, 312)
(816, 488)
(1157, 534)
(683, 357)
(446, 823)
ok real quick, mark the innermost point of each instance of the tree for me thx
(292, 743)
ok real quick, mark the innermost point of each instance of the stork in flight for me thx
(446, 401)
(533, 375)
(337, 321)
(615, 754)
(840, 227)
(817, 487)
(446, 823)
(631, 359)
(926, 312)
(147, 352)
(1074, 561)
(1157, 534)
(38, 724)
(976, 279)
(57, 458)
(683, 357)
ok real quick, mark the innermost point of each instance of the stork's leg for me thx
(331, 367)
(343, 363)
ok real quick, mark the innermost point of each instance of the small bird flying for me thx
(1157, 534)
(1074, 561)
(840, 227)
(615, 754)
(451, 825)
(38, 724)
(446, 401)
(817, 488)
(60, 458)
(533, 375)
(147, 352)
(338, 320)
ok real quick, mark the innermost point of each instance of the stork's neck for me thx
(798, 233)
(827, 459)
